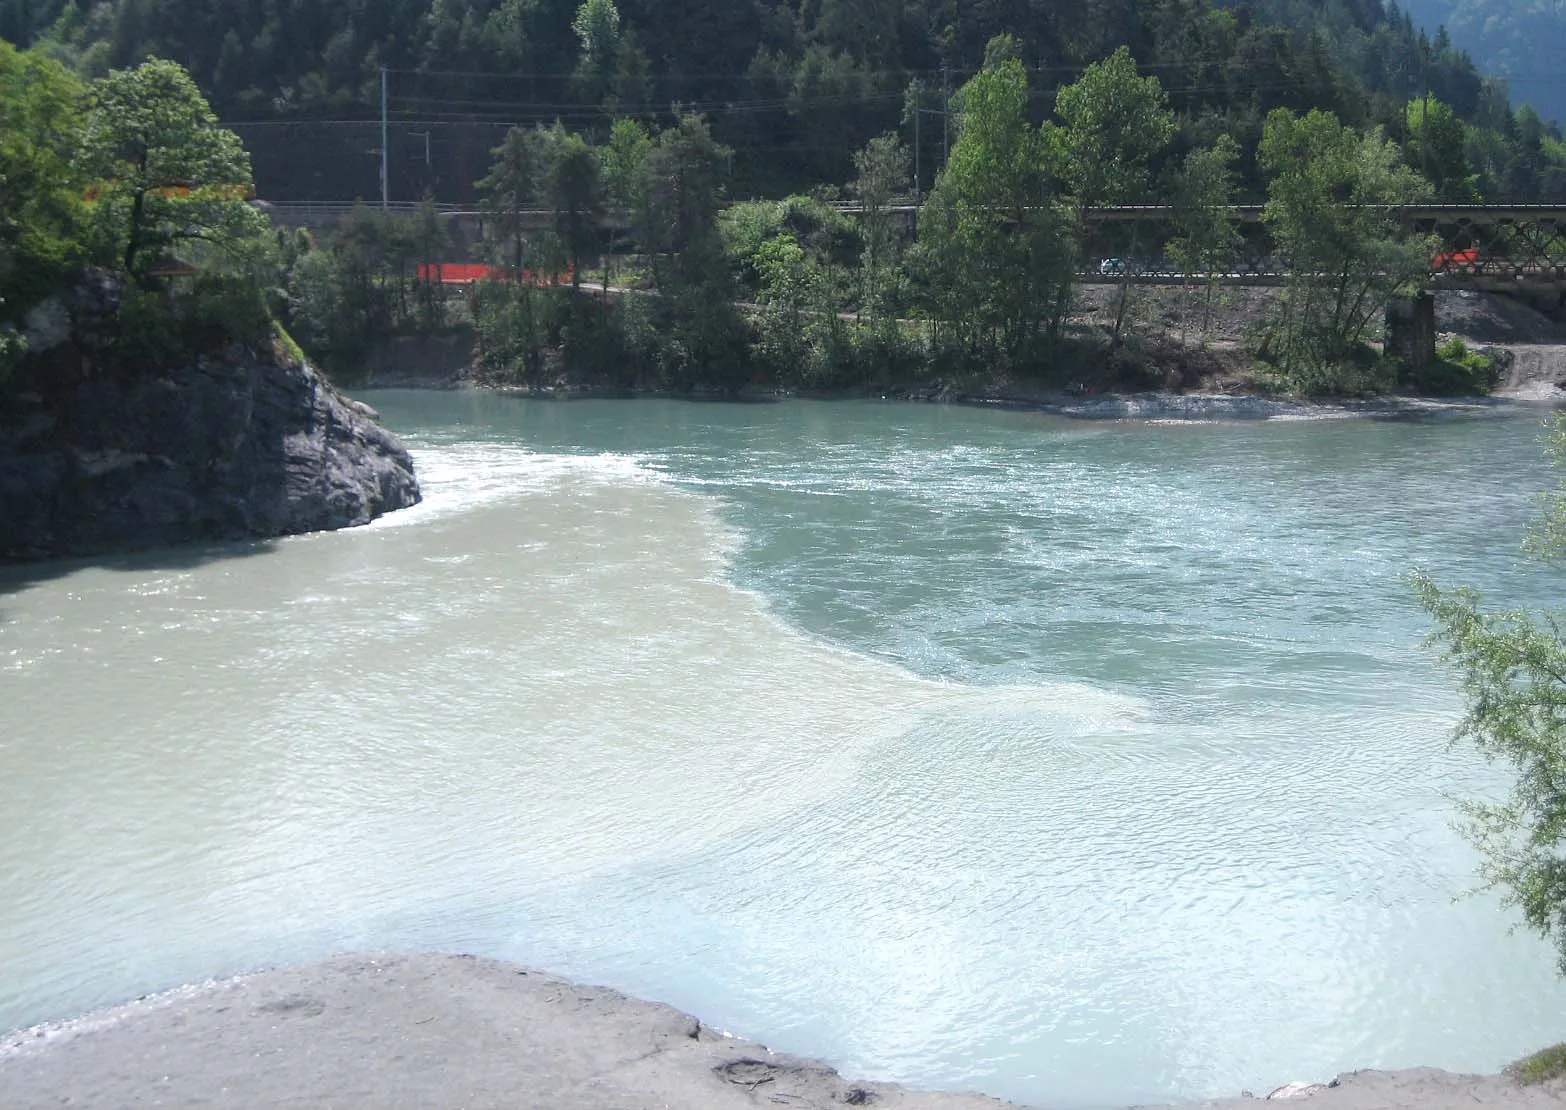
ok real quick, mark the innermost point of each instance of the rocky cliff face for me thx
(248, 442)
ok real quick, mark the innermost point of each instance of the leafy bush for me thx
(745, 227)
(148, 336)
(1456, 371)
(219, 309)
(516, 326)
(1359, 372)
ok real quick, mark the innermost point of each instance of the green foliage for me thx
(163, 172)
(573, 192)
(624, 164)
(1331, 209)
(40, 206)
(219, 308)
(157, 328)
(148, 336)
(1511, 667)
(597, 26)
(1547, 539)
(1113, 121)
(123, 174)
(363, 286)
(745, 228)
(517, 326)
(431, 242)
(883, 177)
(1206, 239)
(1519, 42)
(509, 190)
(801, 86)
(683, 189)
(827, 236)
(994, 249)
(1456, 372)
(1437, 147)
(1547, 1063)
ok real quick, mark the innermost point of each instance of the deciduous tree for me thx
(1113, 121)
(1511, 665)
(883, 176)
(992, 245)
(1437, 147)
(163, 171)
(39, 209)
(1206, 237)
(1331, 208)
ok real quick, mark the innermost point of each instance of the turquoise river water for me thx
(1082, 764)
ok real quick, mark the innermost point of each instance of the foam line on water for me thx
(461, 478)
(465, 478)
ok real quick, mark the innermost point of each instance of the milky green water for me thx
(1081, 764)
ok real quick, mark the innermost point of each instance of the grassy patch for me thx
(1547, 1063)
(290, 346)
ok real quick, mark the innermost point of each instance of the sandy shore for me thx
(457, 1031)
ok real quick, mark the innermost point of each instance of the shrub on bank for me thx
(1456, 372)
(1547, 1063)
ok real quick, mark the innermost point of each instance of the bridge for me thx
(1506, 248)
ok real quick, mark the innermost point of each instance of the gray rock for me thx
(248, 445)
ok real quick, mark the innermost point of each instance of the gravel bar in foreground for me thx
(440, 1031)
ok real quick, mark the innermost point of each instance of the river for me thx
(1078, 763)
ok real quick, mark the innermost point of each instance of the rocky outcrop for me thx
(246, 442)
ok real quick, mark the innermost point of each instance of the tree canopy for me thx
(1331, 202)
(793, 89)
(161, 171)
(40, 206)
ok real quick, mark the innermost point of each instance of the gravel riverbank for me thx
(442, 1031)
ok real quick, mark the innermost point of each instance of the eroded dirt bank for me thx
(443, 1031)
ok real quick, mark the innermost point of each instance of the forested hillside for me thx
(1520, 40)
(1019, 179)
(793, 88)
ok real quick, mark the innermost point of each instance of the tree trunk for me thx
(133, 239)
(1125, 293)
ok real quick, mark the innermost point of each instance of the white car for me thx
(1112, 267)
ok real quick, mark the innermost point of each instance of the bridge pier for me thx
(1410, 329)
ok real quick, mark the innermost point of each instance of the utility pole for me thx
(429, 170)
(946, 105)
(385, 169)
(918, 111)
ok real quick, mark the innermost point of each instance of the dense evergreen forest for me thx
(547, 114)
(792, 87)
(1520, 40)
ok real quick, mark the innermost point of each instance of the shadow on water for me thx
(19, 577)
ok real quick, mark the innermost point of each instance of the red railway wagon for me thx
(467, 273)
